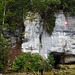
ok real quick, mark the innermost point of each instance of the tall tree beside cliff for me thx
(3, 43)
(3, 53)
(15, 13)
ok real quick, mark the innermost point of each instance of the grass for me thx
(68, 71)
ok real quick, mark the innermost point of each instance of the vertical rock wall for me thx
(36, 40)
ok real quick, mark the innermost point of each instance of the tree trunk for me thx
(4, 3)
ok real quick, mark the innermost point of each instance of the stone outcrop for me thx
(36, 40)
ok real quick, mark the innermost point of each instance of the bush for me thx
(32, 62)
(19, 63)
(27, 61)
(51, 59)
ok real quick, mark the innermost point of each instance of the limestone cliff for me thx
(36, 40)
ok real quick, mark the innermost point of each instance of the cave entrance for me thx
(61, 58)
(57, 57)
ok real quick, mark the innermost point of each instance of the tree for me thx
(3, 43)
(68, 6)
(15, 17)
(3, 53)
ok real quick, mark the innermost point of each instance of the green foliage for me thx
(3, 43)
(30, 61)
(38, 6)
(53, 2)
(15, 17)
(1, 12)
(33, 62)
(15, 12)
(50, 22)
(19, 63)
(46, 9)
(47, 66)
(68, 6)
(1, 65)
(3, 52)
(36, 62)
(51, 59)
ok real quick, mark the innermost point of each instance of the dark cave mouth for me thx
(59, 58)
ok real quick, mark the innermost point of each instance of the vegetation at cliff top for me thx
(16, 10)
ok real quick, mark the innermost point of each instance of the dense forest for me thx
(12, 16)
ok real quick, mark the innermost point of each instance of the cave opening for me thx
(57, 58)
(60, 58)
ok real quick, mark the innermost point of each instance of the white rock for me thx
(61, 38)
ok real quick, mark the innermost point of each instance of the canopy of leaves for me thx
(68, 6)
(16, 11)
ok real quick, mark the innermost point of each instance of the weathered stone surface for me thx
(39, 41)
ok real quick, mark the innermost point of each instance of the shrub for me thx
(27, 61)
(51, 59)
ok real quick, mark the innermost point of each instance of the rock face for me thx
(32, 33)
(70, 59)
(36, 40)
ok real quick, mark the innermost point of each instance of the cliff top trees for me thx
(16, 11)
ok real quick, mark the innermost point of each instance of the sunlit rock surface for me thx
(36, 40)
(32, 33)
